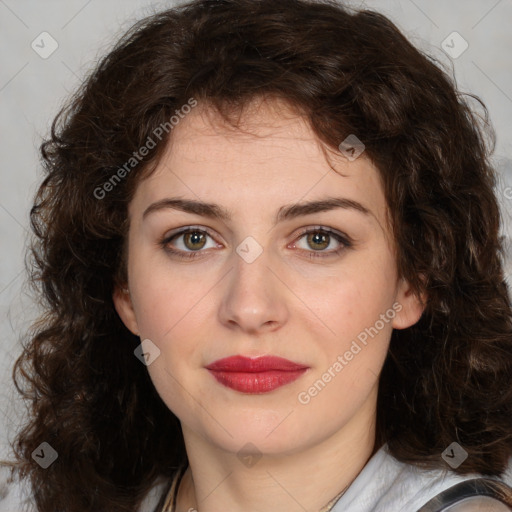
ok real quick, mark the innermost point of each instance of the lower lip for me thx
(259, 382)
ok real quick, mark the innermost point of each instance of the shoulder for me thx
(386, 484)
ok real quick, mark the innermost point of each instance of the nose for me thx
(253, 298)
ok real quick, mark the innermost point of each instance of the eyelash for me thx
(189, 255)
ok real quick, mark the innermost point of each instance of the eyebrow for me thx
(287, 212)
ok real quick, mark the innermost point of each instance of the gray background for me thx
(32, 89)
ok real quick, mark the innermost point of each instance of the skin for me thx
(283, 303)
(480, 504)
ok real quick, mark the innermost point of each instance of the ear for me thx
(124, 308)
(409, 307)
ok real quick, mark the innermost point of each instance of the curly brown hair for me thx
(447, 378)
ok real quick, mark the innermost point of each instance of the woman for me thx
(268, 245)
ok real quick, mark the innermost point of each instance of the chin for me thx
(259, 434)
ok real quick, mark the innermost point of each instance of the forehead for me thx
(271, 158)
(265, 128)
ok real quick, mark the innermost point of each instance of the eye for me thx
(319, 239)
(188, 242)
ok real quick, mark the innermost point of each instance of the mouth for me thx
(255, 375)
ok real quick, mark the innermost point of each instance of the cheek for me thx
(173, 309)
(172, 315)
(360, 312)
(351, 298)
(164, 294)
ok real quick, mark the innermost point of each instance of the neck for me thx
(308, 479)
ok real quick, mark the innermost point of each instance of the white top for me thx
(383, 485)
(386, 484)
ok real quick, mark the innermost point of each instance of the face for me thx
(261, 274)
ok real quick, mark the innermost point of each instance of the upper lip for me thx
(252, 365)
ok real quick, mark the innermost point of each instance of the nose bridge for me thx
(251, 299)
(251, 263)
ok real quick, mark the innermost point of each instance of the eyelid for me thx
(325, 229)
(186, 229)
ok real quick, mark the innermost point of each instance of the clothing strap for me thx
(487, 487)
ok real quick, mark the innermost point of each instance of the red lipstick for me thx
(255, 375)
